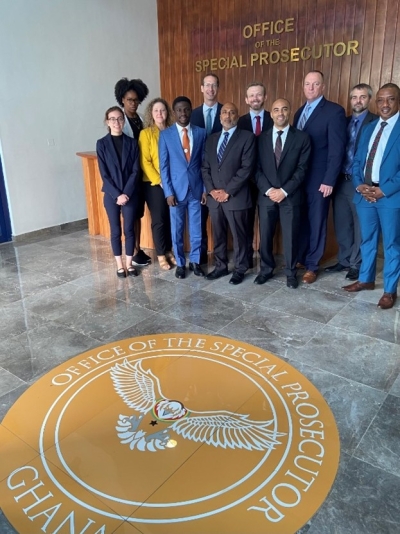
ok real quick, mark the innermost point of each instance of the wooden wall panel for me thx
(191, 30)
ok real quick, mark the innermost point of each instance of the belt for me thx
(375, 184)
(347, 177)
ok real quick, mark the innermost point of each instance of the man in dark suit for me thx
(347, 227)
(257, 120)
(325, 123)
(227, 166)
(207, 116)
(376, 178)
(283, 154)
(181, 149)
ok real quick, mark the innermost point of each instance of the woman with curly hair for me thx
(120, 185)
(157, 117)
(129, 95)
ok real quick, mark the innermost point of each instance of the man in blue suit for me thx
(181, 149)
(207, 116)
(325, 123)
(376, 177)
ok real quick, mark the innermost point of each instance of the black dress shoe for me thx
(337, 268)
(262, 278)
(203, 258)
(121, 273)
(237, 278)
(180, 272)
(215, 274)
(197, 270)
(353, 274)
(292, 282)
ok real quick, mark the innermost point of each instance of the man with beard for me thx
(227, 166)
(347, 227)
(257, 120)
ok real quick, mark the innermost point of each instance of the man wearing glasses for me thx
(207, 116)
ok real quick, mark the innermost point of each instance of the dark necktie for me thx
(350, 147)
(223, 146)
(258, 125)
(208, 122)
(278, 147)
(304, 117)
(371, 155)
(186, 144)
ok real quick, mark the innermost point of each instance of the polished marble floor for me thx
(59, 296)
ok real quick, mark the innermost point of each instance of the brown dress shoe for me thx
(359, 286)
(309, 277)
(387, 301)
(300, 266)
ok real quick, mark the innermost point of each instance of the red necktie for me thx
(186, 144)
(258, 125)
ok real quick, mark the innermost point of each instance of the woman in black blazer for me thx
(118, 158)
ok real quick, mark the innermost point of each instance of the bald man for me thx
(228, 163)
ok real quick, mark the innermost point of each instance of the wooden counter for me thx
(99, 225)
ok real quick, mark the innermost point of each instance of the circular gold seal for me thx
(171, 433)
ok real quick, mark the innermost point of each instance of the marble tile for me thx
(203, 309)
(353, 405)
(16, 318)
(395, 389)
(271, 330)
(329, 283)
(318, 306)
(380, 445)
(8, 382)
(5, 525)
(363, 500)
(352, 356)
(31, 354)
(247, 291)
(365, 318)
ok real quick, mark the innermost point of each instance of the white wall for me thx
(59, 61)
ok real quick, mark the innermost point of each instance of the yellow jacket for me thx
(148, 149)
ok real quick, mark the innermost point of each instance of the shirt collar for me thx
(284, 130)
(180, 128)
(390, 121)
(206, 108)
(230, 131)
(253, 115)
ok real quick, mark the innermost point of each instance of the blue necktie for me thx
(223, 146)
(304, 117)
(208, 122)
(350, 147)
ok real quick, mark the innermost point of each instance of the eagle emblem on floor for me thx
(141, 391)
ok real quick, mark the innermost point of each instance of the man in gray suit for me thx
(347, 227)
(227, 166)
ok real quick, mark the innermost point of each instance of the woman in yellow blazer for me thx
(157, 117)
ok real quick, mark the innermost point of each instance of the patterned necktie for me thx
(371, 155)
(304, 117)
(258, 125)
(350, 147)
(278, 148)
(186, 144)
(208, 122)
(223, 146)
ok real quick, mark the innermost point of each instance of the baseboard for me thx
(65, 228)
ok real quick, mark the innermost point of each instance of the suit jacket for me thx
(234, 171)
(148, 150)
(177, 175)
(326, 127)
(244, 122)
(389, 172)
(292, 168)
(197, 118)
(118, 179)
(369, 117)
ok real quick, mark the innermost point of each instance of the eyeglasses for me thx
(133, 100)
(114, 120)
(213, 85)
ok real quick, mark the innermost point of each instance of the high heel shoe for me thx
(171, 258)
(162, 260)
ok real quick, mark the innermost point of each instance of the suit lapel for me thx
(314, 114)
(393, 138)
(177, 140)
(230, 144)
(288, 143)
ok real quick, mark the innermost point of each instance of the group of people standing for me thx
(212, 162)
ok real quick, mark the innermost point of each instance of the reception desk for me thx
(98, 221)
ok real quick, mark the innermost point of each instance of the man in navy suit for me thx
(207, 116)
(325, 123)
(257, 120)
(181, 149)
(376, 178)
(345, 218)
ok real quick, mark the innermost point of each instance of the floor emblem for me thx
(171, 433)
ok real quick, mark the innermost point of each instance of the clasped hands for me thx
(122, 199)
(220, 195)
(370, 193)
